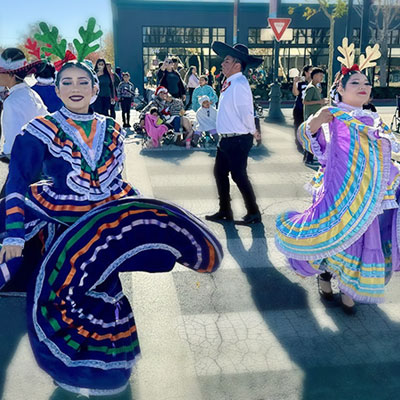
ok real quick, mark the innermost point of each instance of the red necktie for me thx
(225, 86)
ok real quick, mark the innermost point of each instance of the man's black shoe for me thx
(220, 216)
(252, 218)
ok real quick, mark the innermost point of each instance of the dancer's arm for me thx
(25, 166)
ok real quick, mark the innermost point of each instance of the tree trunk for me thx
(383, 37)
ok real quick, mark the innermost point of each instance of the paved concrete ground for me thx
(251, 331)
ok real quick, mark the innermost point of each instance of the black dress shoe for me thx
(252, 218)
(220, 216)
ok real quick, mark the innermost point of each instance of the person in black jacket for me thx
(102, 104)
(171, 80)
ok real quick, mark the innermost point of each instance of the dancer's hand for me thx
(8, 252)
(323, 116)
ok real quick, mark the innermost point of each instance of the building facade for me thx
(146, 31)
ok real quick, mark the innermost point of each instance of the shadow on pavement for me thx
(13, 327)
(172, 156)
(356, 361)
(60, 394)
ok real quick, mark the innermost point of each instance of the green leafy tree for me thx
(332, 12)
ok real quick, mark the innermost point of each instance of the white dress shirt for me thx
(21, 105)
(235, 109)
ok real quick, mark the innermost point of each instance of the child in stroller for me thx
(155, 128)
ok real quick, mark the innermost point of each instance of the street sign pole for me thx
(275, 113)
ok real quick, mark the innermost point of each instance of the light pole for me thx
(235, 21)
(275, 112)
(364, 26)
(349, 27)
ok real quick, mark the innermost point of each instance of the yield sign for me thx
(278, 26)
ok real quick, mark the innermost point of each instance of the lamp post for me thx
(235, 21)
(275, 112)
(349, 27)
(364, 39)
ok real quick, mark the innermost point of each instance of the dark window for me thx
(180, 35)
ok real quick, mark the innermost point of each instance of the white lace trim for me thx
(14, 241)
(315, 146)
(77, 117)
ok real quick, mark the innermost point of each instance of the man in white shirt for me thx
(236, 127)
(22, 103)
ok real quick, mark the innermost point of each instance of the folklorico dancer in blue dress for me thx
(91, 225)
(351, 229)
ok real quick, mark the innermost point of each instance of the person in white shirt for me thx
(236, 127)
(22, 103)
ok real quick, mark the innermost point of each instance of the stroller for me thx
(395, 125)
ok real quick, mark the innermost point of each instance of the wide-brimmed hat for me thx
(239, 51)
(20, 66)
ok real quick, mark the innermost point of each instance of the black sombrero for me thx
(239, 51)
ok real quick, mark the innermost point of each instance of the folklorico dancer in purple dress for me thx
(91, 225)
(351, 230)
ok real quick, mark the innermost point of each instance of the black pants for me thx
(126, 109)
(112, 110)
(232, 154)
(298, 119)
(102, 105)
(191, 90)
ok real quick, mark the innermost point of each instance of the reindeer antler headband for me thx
(59, 47)
(371, 54)
(347, 61)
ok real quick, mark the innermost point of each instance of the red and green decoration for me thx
(58, 47)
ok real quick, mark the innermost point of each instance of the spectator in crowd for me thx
(312, 102)
(118, 72)
(298, 89)
(179, 67)
(46, 88)
(172, 81)
(175, 116)
(192, 81)
(115, 81)
(126, 94)
(154, 127)
(206, 121)
(158, 102)
(211, 76)
(203, 90)
(160, 72)
(102, 104)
